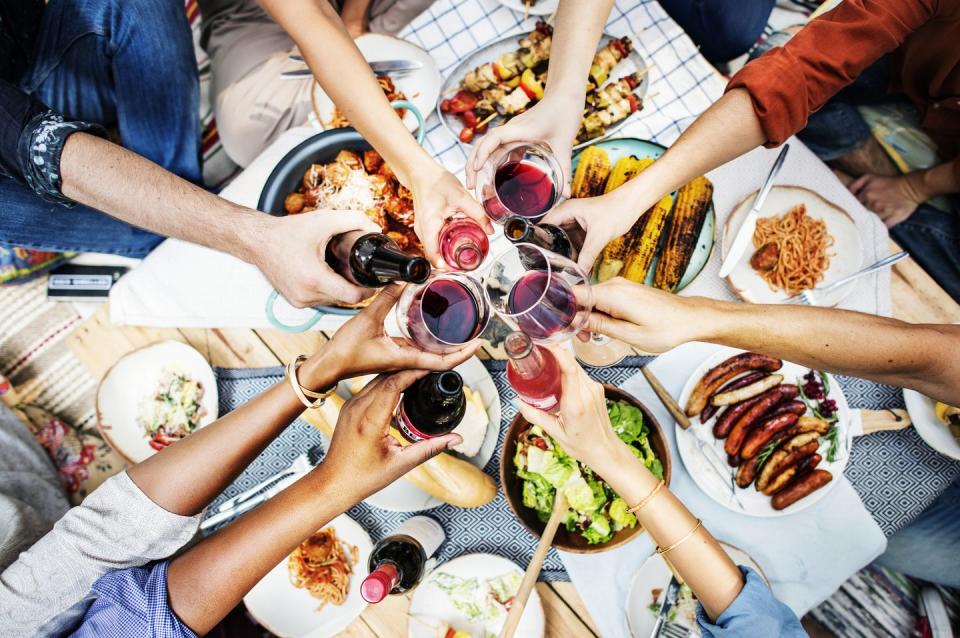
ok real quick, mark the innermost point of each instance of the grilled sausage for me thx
(734, 461)
(766, 257)
(795, 471)
(792, 407)
(739, 382)
(761, 435)
(765, 403)
(783, 458)
(726, 370)
(810, 424)
(801, 488)
(724, 422)
(747, 392)
(746, 473)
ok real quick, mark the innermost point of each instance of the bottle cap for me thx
(379, 583)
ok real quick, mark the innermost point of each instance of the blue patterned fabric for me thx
(895, 473)
(754, 612)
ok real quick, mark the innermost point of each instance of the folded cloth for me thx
(806, 556)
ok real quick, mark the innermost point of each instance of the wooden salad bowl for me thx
(564, 540)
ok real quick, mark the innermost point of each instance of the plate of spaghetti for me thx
(315, 591)
(801, 241)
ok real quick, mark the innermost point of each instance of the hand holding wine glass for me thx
(523, 179)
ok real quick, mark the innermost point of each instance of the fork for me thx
(807, 296)
(673, 630)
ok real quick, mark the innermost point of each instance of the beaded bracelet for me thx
(647, 498)
(664, 550)
(302, 392)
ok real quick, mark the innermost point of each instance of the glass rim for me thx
(456, 276)
(548, 156)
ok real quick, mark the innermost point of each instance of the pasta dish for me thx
(322, 565)
(792, 250)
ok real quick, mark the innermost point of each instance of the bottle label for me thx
(425, 530)
(409, 432)
(546, 403)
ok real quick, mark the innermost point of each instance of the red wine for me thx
(374, 260)
(520, 230)
(432, 406)
(445, 312)
(533, 372)
(543, 304)
(525, 189)
(463, 244)
(399, 561)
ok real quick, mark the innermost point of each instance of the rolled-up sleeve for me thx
(754, 612)
(32, 137)
(789, 83)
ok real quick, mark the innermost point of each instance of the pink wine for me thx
(432, 406)
(399, 561)
(543, 304)
(443, 313)
(463, 243)
(374, 260)
(533, 372)
(525, 189)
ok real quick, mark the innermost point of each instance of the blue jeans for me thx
(723, 29)
(929, 547)
(127, 64)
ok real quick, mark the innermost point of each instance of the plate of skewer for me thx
(505, 78)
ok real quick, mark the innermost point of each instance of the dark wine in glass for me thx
(400, 560)
(432, 406)
(374, 260)
(542, 305)
(525, 189)
(443, 314)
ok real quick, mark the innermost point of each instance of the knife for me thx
(378, 66)
(669, 600)
(745, 234)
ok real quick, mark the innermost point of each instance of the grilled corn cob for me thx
(615, 254)
(644, 246)
(689, 213)
(624, 170)
(591, 174)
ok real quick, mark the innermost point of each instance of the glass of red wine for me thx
(522, 179)
(532, 290)
(444, 313)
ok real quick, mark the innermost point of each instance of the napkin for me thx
(806, 555)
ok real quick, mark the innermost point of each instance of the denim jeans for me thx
(127, 64)
(723, 29)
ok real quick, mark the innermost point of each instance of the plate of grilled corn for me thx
(669, 244)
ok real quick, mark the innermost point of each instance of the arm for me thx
(840, 341)
(895, 198)
(340, 69)
(556, 118)
(210, 579)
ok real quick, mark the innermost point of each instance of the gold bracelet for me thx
(639, 506)
(664, 550)
(302, 392)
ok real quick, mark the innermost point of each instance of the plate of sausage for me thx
(767, 437)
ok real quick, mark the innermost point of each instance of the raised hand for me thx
(437, 195)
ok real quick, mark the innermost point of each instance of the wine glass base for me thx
(601, 353)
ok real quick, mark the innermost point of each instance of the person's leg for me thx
(29, 222)
(124, 63)
(722, 29)
(929, 547)
(932, 238)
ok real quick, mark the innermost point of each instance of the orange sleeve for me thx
(789, 83)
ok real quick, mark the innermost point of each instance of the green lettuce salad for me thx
(595, 511)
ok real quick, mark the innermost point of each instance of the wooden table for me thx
(99, 344)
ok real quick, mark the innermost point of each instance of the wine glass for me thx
(532, 290)
(443, 313)
(601, 351)
(523, 179)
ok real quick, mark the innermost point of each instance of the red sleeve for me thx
(789, 83)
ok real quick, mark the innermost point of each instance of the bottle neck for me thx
(432, 406)
(525, 356)
(376, 260)
(553, 238)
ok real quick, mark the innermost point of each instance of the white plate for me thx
(132, 379)
(422, 87)
(431, 606)
(654, 574)
(931, 429)
(755, 503)
(404, 496)
(538, 8)
(847, 250)
(289, 612)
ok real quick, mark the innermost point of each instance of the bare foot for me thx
(870, 158)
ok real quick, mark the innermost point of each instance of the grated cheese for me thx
(356, 193)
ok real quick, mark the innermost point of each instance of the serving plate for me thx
(847, 249)
(754, 503)
(538, 8)
(431, 606)
(655, 574)
(931, 429)
(289, 612)
(134, 378)
(490, 52)
(421, 86)
(627, 146)
(571, 541)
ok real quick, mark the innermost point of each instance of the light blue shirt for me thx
(755, 612)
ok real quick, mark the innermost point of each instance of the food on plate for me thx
(322, 565)
(684, 610)
(446, 631)
(594, 509)
(774, 431)
(950, 416)
(792, 250)
(593, 171)
(361, 182)
(444, 477)
(340, 120)
(686, 222)
(484, 602)
(173, 410)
